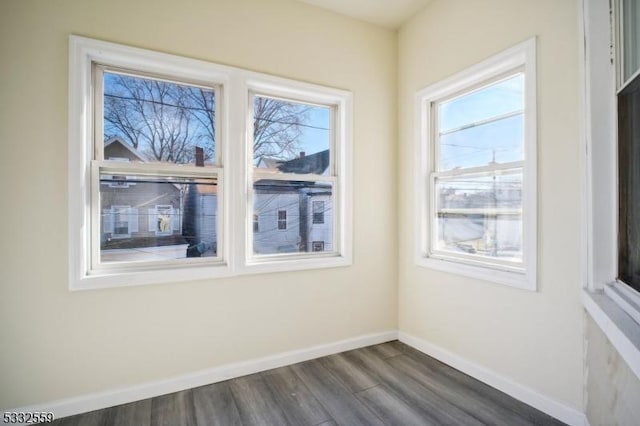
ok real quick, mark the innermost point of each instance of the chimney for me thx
(302, 154)
(199, 157)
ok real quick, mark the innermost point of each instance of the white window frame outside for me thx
(234, 119)
(521, 57)
(613, 305)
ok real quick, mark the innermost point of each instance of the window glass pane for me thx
(497, 99)
(499, 141)
(148, 120)
(291, 137)
(480, 215)
(146, 218)
(631, 37)
(629, 185)
(285, 210)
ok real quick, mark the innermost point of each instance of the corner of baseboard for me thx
(544, 403)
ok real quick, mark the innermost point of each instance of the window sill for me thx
(258, 266)
(100, 280)
(490, 274)
(619, 327)
(160, 276)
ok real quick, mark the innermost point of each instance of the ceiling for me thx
(387, 13)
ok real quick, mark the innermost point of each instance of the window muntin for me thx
(291, 172)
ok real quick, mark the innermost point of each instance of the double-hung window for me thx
(158, 192)
(476, 171)
(297, 174)
(146, 169)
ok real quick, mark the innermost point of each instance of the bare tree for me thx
(277, 127)
(166, 121)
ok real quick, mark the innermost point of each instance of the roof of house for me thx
(115, 146)
(268, 163)
(313, 163)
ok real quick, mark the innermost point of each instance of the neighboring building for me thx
(293, 216)
(200, 220)
(135, 212)
(486, 221)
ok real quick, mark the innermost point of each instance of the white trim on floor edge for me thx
(520, 392)
(82, 404)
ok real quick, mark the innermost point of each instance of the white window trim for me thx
(614, 306)
(234, 121)
(521, 56)
(341, 159)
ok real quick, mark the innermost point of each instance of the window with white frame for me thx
(159, 123)
(476, 179)
(149, 166)
(295, 148)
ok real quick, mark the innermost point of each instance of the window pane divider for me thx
(496, 167)
(156, 169)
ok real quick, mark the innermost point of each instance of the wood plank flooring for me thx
(387, 384)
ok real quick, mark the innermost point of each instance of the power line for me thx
(130, 98)
(291, 123)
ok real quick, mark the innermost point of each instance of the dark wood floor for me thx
(387, 384)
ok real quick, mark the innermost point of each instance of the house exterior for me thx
(293, 216)
(200, 220)
(137, 212)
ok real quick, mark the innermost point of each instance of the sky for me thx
(470, 134)
(317, 138)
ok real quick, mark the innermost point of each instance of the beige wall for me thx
(58, 344)
(534, 339)
(613, 390)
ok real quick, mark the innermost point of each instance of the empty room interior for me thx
(320, 212)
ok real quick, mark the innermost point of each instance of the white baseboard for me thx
(96, 401)
(520, 392)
